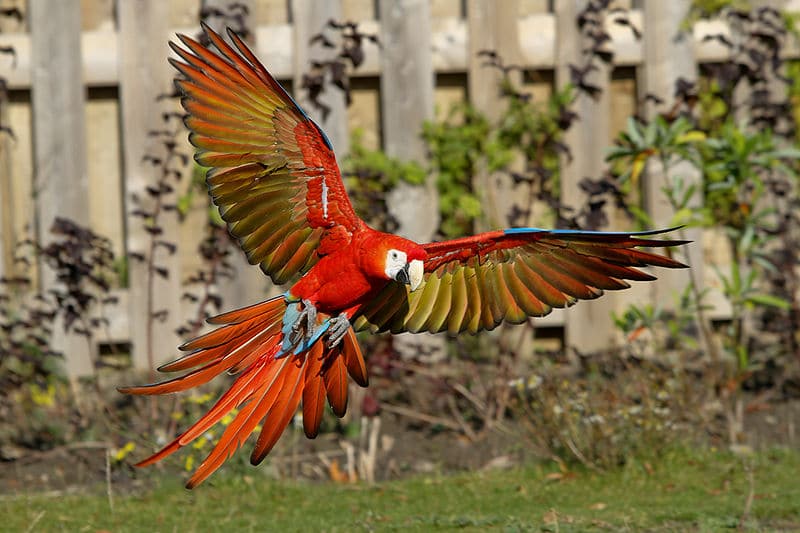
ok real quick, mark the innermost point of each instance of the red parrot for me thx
(273, 175)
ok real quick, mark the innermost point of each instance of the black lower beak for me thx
(402, 275)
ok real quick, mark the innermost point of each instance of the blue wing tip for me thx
(527, 231)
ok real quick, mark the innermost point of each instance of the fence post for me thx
(59, 133)
(668, 55)
(496, 30)
(310, 18)
(407, 83)
(144, 75)
(588, 326)
(492, 29)
(7, 237)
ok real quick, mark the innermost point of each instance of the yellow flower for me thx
(124, 451)
(43, 397)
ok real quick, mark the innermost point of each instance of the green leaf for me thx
(470, 206)
(633, 132)
(642, 217)
(769, 300)
(651, 133)
(692, 136)
(682, 217)
(184, 202)
(787, 153)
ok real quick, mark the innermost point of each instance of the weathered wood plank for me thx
(494, 30)
(144, 75)
(104, 168)
(18, 185)
(7, 179)
(669, 55)
(407, 84)
(407, 80)
(6, 195)
(589, 326)
(59, 133)
(310, 18)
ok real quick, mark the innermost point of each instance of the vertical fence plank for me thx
(6, 195)
(7, 210)
(18, 207)
(248, 283)
(144, 75)
(310, 18)
(407, 83)
(496, 30)
(492, 29)
(588, 326)
(59, 132)
(668, 55)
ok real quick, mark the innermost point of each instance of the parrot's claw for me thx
(338, 329)
(303, 326)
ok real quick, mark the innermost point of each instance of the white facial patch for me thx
(400, 270)
(395, 262)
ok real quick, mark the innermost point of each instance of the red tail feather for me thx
(267, 389)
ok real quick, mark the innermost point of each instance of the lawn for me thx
(703, 491)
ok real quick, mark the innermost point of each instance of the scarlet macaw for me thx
(274, 176)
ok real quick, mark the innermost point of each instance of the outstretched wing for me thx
(477, 282)
(273, 172)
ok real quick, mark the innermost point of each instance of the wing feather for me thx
(531, 304)
(273, 172)
(426, 298)
(514, 312)
(473, 325)
(477, 282)
(458, 303)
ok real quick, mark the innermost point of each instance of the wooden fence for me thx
(83, 88)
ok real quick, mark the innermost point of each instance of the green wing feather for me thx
(273, 173)
(476, 283)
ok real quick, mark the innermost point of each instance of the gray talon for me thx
(338, 329)
(311, 318)
(308, 315)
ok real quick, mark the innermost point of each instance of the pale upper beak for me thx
(411, 274)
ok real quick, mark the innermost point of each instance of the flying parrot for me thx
(273, 175)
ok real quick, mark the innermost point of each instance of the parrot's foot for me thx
(303, 327)
(337, 330)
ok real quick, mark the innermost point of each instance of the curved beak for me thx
(411, 274)
(402, 276)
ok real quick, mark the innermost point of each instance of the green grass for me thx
(703, 491)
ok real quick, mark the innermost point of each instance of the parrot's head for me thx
(401, 260)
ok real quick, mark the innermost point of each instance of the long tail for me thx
(267, 389)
